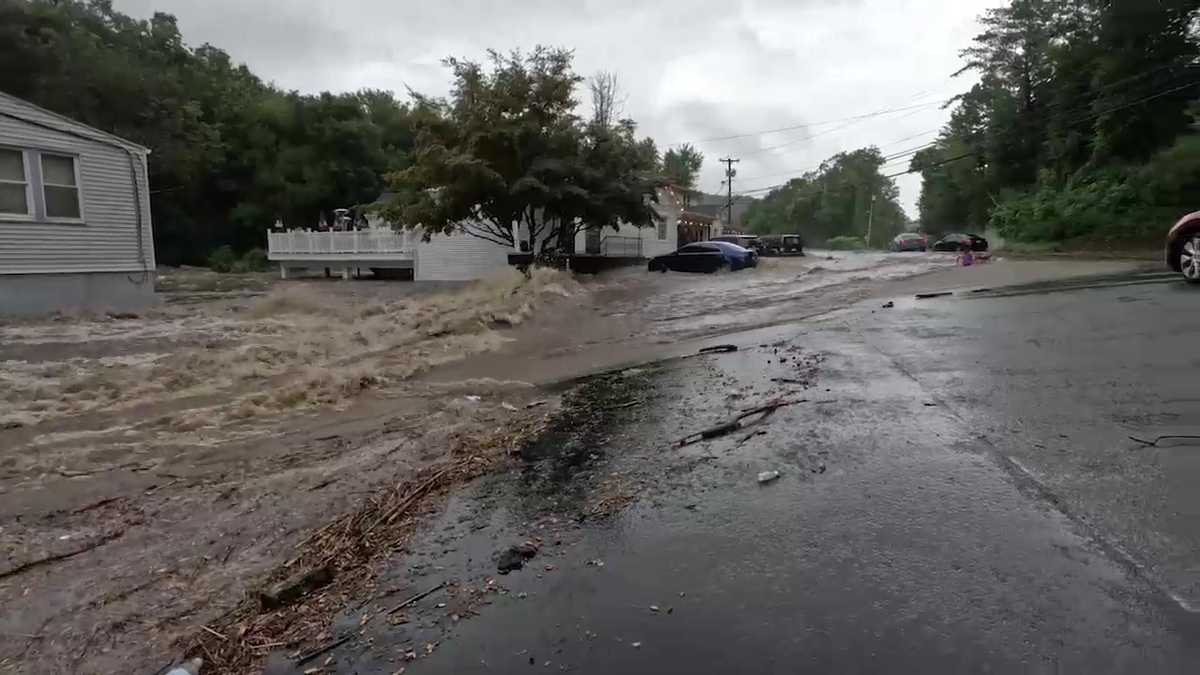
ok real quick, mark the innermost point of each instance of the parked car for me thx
(961, 242)
(781, 244)
(909, 241)
(1183, 247)
(705, 256)
(746, 241)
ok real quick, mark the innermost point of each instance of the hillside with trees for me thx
(1082, 125)
(230, 153)
(836, 200)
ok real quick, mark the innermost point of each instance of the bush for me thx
(225, 261)
(254, 260)
(1121, 204)
(222, 260)
(846, 244)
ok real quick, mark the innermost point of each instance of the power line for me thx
(1086, 118)
(809, 125)
(1092, 99)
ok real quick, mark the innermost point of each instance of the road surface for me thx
(957, 494)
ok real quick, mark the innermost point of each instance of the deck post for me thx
(346, 273)
(282, 271)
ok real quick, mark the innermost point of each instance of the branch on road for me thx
(25, 567)
(734, 424)
(1158, 439)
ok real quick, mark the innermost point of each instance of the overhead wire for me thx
(1094, 96)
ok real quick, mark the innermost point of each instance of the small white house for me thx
(75, 230)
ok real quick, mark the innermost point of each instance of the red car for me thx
(1183, 247)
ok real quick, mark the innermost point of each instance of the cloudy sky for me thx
(692, 70)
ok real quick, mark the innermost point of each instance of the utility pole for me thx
(729, 174)
(870, 220)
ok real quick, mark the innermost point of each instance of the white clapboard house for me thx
(462, 257)
(75, 228)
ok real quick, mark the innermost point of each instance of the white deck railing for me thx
(386, 243)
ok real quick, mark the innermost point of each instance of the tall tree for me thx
(681, 165)
(840, 198)
(507, 160)
(231, 154)
(608, 101)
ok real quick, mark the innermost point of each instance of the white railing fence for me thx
(309, 242)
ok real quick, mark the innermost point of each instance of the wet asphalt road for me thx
(956, 497)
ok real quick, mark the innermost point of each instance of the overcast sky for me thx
(692, 69)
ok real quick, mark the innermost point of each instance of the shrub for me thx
(846, 244)
(254, 260)
(222, 260)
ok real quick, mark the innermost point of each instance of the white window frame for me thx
(78, 187)
(30, 207)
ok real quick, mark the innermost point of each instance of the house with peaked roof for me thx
(75, 229)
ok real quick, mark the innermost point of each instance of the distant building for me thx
(75, 229)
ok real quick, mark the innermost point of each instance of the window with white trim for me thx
(60, 187)
(14, 184)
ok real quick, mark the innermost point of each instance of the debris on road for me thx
(515, 556)
(926, 296)
(719, 349)
(747, 437)
(536, 404)
(768, 476)
(290, 590)
(733, 425)
(473, 398)
(508, 406)
(654, 608)
(888, 305)
(321, 650)
(1158, 439)
(416, 598)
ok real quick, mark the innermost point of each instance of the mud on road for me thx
(157, 469)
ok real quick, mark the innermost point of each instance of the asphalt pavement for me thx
(958, 493)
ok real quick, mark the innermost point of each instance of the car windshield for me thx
(697, 248)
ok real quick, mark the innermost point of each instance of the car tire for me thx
(1189, 257)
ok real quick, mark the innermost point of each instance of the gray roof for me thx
(19, 108)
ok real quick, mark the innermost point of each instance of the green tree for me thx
(230, 153)
(681, 165)
(839, 199)
(1073, 96)
(507, 160)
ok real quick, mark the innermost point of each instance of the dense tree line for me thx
(230, 153)
(839, 199)
(1081, 123)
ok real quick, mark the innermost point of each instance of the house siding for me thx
(107, 240)
(458, 257)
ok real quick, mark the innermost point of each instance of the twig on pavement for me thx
(416, 598)
(1158, 439)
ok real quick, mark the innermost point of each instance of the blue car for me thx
(705, 256)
